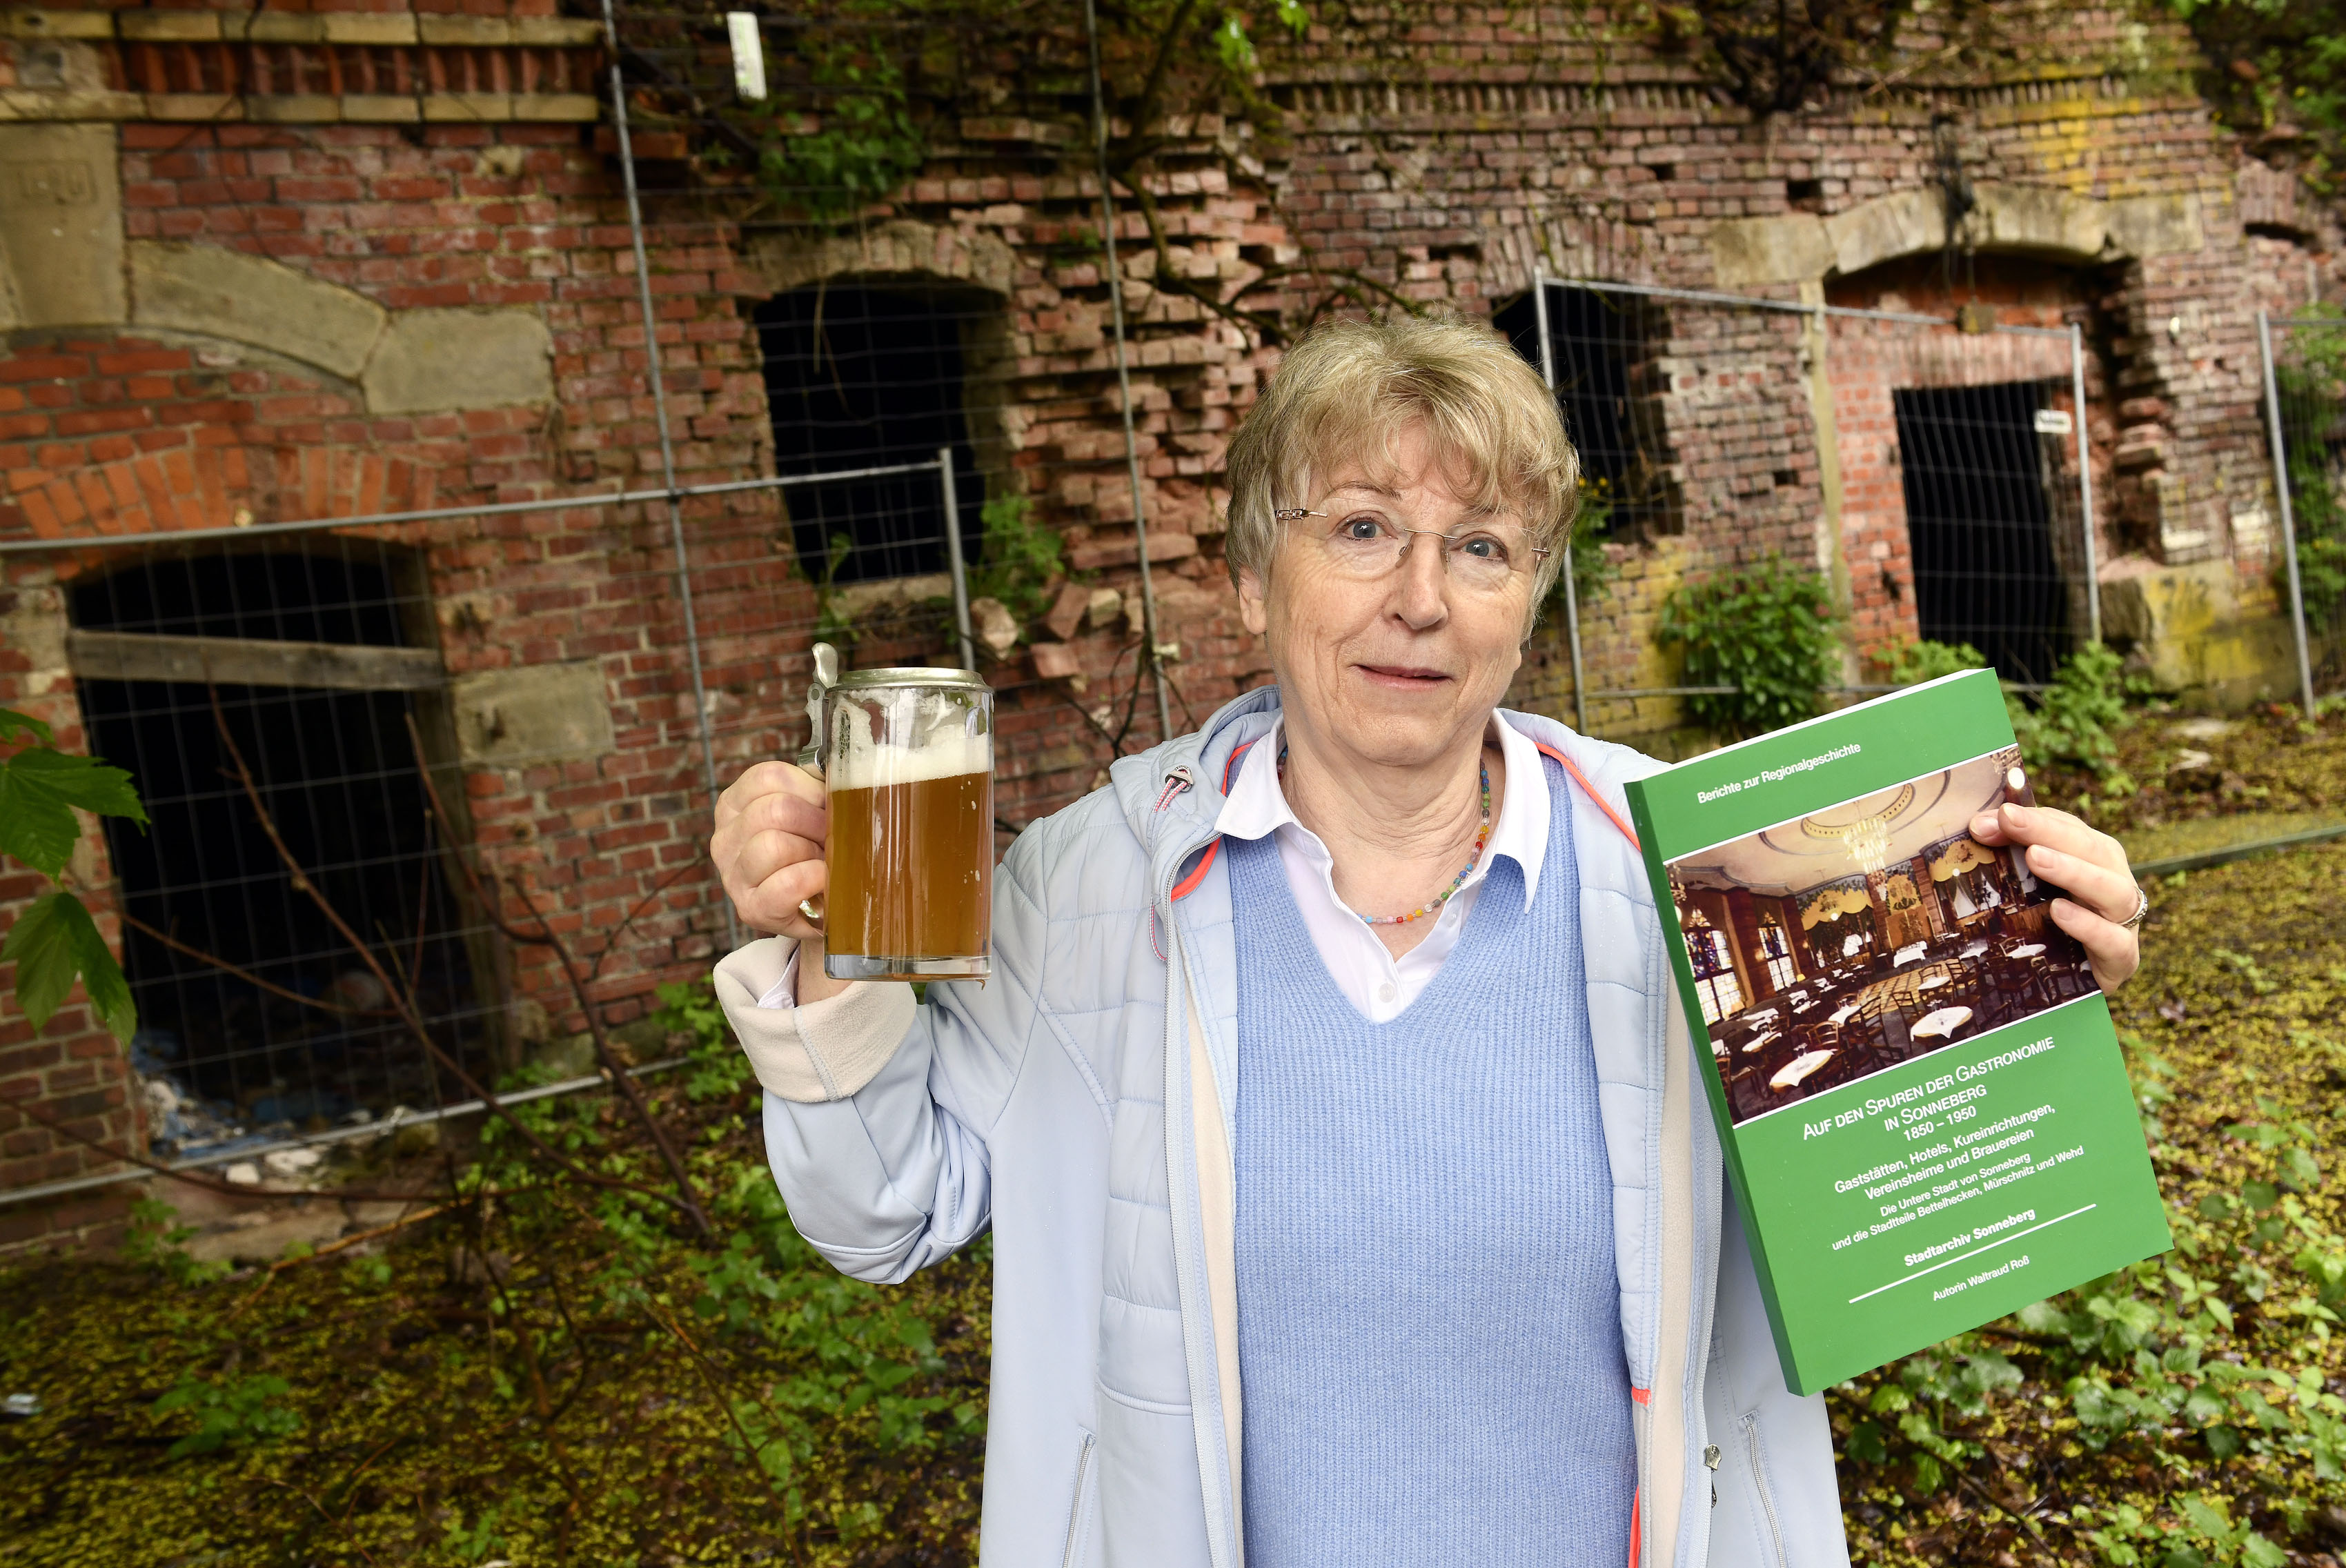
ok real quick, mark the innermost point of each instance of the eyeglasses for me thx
(1368, 546)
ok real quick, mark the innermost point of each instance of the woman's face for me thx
(1394, 670)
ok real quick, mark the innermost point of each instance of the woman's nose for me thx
(1422, 584)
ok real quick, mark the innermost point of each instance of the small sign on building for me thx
(2052, 422)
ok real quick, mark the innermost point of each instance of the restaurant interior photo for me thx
(1828, 947)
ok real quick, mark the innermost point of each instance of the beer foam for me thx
(946, 757)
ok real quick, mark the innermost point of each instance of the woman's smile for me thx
(1402, 677)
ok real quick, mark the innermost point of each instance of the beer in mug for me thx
(908, 763)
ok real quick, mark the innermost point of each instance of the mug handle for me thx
(825, 660)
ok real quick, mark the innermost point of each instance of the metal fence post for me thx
(1571, 589)
(2086, 482)
(666, 445)
(953, 557)
(1124, 376)
(2288, 520)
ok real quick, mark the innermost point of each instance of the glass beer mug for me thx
(907, 759)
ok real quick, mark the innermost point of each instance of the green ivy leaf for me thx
(13, 724)
(53, 944)
(37, 789)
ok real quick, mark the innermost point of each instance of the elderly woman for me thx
(1353, 1201)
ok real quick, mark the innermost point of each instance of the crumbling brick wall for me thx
(1434, 160)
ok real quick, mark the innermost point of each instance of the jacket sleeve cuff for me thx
(825, 1050)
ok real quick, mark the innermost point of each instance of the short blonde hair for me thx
(1347, 389)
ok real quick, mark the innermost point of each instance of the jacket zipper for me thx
(1075, 1509)
(1760, 1483)
(1177, 975)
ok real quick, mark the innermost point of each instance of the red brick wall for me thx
(1431, 156)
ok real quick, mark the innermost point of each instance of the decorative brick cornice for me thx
(287, 68)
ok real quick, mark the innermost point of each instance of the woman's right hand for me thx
(771, 828)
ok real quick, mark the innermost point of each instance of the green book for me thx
(1923, 1102)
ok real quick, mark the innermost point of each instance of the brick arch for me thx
(195, 486)
(903, 249)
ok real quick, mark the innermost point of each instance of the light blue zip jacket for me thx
(1083, 1104)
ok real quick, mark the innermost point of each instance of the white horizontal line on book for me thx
(1967, 1257)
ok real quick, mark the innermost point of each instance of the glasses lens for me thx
(1485, 559)
(1364, 547)
(1480, 561)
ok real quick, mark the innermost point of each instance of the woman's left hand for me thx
(2088, 866)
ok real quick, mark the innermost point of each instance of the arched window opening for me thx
(1776, 952)
(867, 375)
(1596, 341)
(1714, 969)
(307, 656)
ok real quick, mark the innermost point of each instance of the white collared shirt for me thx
(1376, 982)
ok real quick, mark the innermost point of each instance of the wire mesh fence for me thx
(878, 388)
(2305, 415)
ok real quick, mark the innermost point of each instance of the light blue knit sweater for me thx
(1429, 1328)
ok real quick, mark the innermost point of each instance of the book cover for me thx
(1924, 1109)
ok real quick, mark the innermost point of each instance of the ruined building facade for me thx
(298, 263)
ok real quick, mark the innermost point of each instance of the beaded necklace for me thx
(1480, 839)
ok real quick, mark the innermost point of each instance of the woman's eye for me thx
(1360, 529)
(1482, 547)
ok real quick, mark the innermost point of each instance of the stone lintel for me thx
(27, 105)
(477, 32)
(432, 360)
(293, 108)
(467, 107)
(556, 31)
(376, 30)
(580, 108)
(22, 23)
(539, 713)
(379, 108)
(2144, 226)
(226, 293)
(168, 26)
(2032, 220)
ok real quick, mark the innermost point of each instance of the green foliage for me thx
(54, 942)
(1911, 664)
(1020, 563)
(2275, 63)
(2209, 1366)
(1766, 630)
(473, 1543)
(155, 1239)
(717, 1068)
(1593, 571)
(852, 1348)
(229, 1416)
(2073, 720)
(852, 128)
(861, 142)
(831, 622)
(2309, 370)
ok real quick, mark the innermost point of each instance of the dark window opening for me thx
(1981, 524)
(1805, 195)
(337, 772)
(861, 376)
(1595, 339)
(1663, 172)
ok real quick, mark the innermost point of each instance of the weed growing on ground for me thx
(2185, 1412)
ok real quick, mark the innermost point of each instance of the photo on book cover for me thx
(1834, 945)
